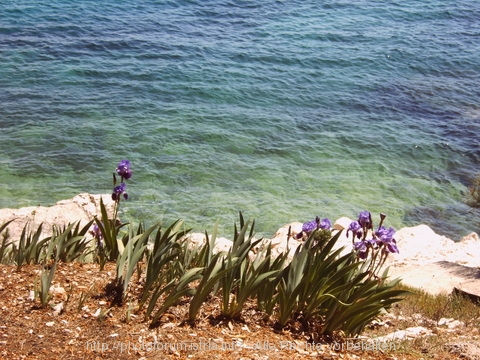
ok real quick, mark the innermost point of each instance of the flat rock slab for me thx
(82, 207)
(439, 277)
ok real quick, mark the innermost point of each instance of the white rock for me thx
(407, 334)
(444, 321)
(421, 244)
(342, 224)
(57, 310)
(281, 235)
(221, 244)
(455, 323)
(281, 243)
(55, 289)
(82, 207)
(470, 238)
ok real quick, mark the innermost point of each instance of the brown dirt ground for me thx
(28, 331)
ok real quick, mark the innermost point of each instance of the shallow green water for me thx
(281, 110)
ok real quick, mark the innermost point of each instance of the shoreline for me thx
(426, 260)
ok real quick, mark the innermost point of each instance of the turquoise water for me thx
(282, 110)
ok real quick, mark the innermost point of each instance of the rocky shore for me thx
(426, 260)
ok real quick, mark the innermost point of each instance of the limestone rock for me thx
(280, 241)
(421, 244)
(342, 224)
(221, 244)
(82, 207)
(407, 334)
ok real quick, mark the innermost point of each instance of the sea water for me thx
(281, 110)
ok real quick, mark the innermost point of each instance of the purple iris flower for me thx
(355, 228)
(385, 236)
(96, 232)
(392, 246)
(361, 248)
(365, 219)
(123, 169)
(309, 226)
(325, 224)
(118, 191)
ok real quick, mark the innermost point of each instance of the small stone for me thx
(245, 327)
(57, 290)
(455, 323)
(302, 352)
(417, 317)
(50, 323)
(57, 310)
(444, 321)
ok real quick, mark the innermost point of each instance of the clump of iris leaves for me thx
(340, 291)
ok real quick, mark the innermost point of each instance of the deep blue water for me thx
(280, 109)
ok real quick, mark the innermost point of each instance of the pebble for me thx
(57, 290)
(58, 309)
(409, 333)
